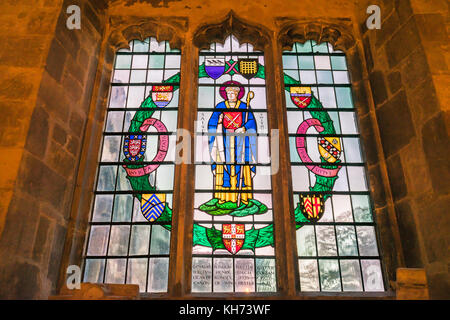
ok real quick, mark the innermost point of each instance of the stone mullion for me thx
(184, 184)
(282, 191)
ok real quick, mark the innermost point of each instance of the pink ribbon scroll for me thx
(301, 148)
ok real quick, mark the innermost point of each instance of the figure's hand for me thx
(214, 172)
(253, 174)
(221, 118)
(240, 130)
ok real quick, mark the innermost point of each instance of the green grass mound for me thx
(214, 208)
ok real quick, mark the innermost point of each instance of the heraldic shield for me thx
(152, 206)
(232, 120)
(233, 236)
(312, 206)
(214, 67)
(162, 95)
(248, 68)
(330, 148)
(134, 146)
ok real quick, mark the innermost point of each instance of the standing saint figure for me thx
(232, 145)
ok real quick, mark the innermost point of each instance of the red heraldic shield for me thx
(134, 146)
(233, 236)
(232, 120)
(312, 206)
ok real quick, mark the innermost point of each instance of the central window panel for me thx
(233, 231)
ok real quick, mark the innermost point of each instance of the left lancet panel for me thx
(131, 218)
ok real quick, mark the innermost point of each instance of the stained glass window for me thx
(336, 235)
(233, 237)
(130, 225)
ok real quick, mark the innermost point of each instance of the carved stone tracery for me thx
(338, 33)
(127, 28)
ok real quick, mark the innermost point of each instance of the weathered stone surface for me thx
(56, 253)
(40, 241)
(92, 17)
(95, 291)
(412, 284)
(377, 189)
(61, 161)
(378, 86)
(439, 286)
(431, 27)
(415, 68)
(434, 225)
(434, 139)
(14, 122)
(388, 28)
(368, 140)
(403, 9)
(76, 123)
(20, 280)
(59, 134)
(361, 101)
(403, 42)
(56, 60)
(368, 53)
(394, 82)
(38, 133)
(355, 65)
(388, 249)
(408, 233)
(396, 177)
(73, 89)
(40, 181)
(16, 86)
(423, 109)
(52, 97)
(72, 145)
(31, 48)
(394, 121)
(21, 222)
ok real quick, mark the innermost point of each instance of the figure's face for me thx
(232, 95)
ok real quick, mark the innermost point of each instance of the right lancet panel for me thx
(336, 235)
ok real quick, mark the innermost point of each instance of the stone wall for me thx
(47, 82)
(407, 60)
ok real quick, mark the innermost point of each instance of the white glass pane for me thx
(98, 240)
(373, 280)
(351, 275)
(244, 275)
(158, 274)
(137, 273)
(309, 275)
(201, 274)
(115, 271)
(223, 275)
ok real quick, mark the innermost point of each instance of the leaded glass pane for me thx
(129, 238)
(336, 238)
(233, 241)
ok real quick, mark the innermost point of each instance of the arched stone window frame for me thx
(189, 39)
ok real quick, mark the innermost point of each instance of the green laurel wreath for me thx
(323, 184)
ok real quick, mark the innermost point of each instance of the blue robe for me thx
(250, 141)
